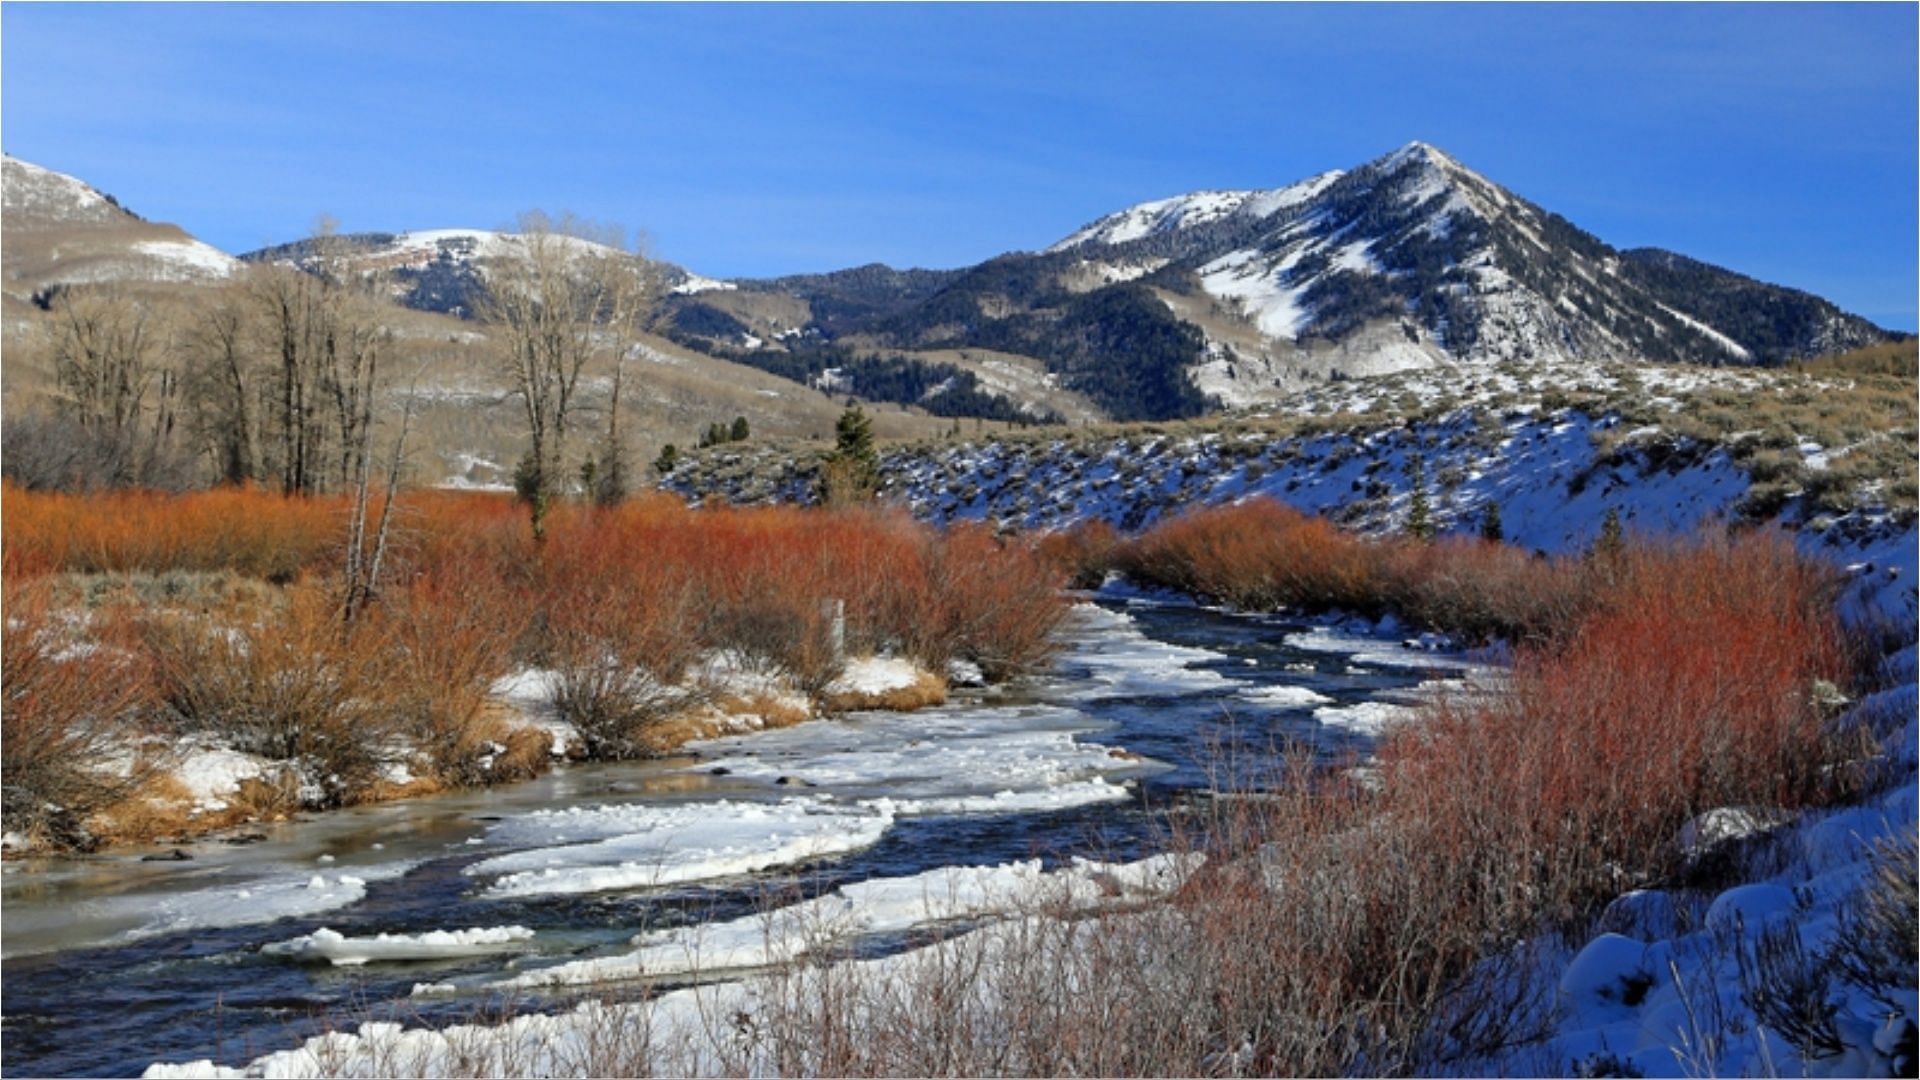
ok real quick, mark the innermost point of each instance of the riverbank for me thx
(203, 789)
(149, 669)
(1143, 704)
(1656, 983)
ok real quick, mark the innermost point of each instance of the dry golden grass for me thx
(161, 808)
(927, 689)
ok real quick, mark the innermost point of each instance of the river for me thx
(113, 962)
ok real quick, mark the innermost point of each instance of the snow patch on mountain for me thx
(188, 260)
(695, 283)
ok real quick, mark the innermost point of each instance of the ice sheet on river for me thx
(650, 845)
(288, 893)
(1283, 696)
(1380, 651)
(979, 760)
(1121, 661)
(875, 906)
(690, 1031)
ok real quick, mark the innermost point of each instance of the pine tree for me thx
(608, 485)
(669, 457)
(851, 474)
(1490, 529)
(853, 435)
(1612, 543)
(739, 431)
(1419, 514)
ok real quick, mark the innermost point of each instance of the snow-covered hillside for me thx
(63, 231)
(445, 270)
(33, 195)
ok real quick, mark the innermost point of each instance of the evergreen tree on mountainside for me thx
(1490, 528)
(851, 474)
(1419, 514)
(1611, 545)
(940, 388)
(1151, 382)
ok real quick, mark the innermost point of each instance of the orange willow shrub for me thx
(1257, 554)
(620, 625)
(992, 604)
(295, 686)
(1084, 552)
(621, 602)
(457, 628)
(759, 578)
(66, 704)
(243, 530)
(1692, 688)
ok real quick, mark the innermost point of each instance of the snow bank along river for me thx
(865, 830)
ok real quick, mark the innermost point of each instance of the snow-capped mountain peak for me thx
(1181, 212)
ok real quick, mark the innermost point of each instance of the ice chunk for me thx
(342, 951)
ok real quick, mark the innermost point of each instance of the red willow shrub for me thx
(1692, 687)
(457, 628)
(1084, 553)
(67, 706)
(246, 531)
(1257, 554)
(1481, 591)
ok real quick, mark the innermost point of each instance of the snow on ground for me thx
(339, 950)
(1674, 1004)
(875, 675)
(695, 283)
(530, 692)
(1548, 471)
(212, 773)
(650, 845)
(1264, 292)
(188, 259)
(1738, 350)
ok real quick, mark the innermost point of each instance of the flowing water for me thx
(115, 962)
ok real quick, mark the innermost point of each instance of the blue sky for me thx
(1776, 140)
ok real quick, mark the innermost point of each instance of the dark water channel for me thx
(90, 986)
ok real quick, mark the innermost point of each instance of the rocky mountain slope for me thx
(1235, 298)
(445, 270)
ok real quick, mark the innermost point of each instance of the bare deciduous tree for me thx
(571, 293)
(111, 356)
(290, 305)
(221, 383)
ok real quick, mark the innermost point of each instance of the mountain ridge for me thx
(1411, 260)
(1184, 304)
